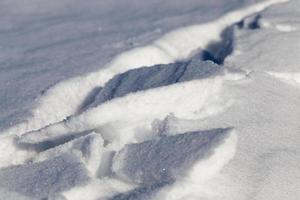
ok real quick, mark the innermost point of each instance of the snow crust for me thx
(45, 179)
(165, 159)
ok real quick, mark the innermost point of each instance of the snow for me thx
(47, 42)
(104, 188)
(152, 77)
(89, 148)
(267, 153)
(292, 78)
(168, 158)
(44, 179)
(139, 110)
(160, 51)
(163, 100)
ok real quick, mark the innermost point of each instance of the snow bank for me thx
(176, 45)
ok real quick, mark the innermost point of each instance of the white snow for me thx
(193, 185)
(154, 120)
(98, 189)
(176, 45)
(138, 110)
(193, 156)
(290, 77)
(88, 148)
(285, 27)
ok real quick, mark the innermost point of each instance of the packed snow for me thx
(165, 100)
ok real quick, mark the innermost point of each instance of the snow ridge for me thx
(177, 45)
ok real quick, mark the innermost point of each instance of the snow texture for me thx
(41, 180)
(164, 159)
(133, 107)
(137, 105)
(155, 76)
(89, 148)
(175, 45)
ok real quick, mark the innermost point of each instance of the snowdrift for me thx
(160, 121)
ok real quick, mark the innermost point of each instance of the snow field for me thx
(110, 146)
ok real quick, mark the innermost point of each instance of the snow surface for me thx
(165, 159)
(44, 179)
(164, 100)
(45, 42)
(166, 49)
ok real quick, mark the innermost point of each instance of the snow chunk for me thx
(156, 76)
(170, 157)
(39, 180)
(88, 148)
(138, 110)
